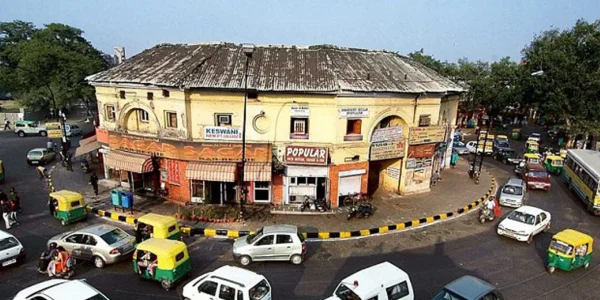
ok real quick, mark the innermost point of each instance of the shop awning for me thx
(257, 172)
(87, 148)
(133, 162)
(211, 171)
(88, 140)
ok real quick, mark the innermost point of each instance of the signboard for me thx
(418, 163)
(354, 112)
(187, 150)
(352, 172)
(54, 130)
(222, 133)
(393, 172)
(421, 151)
(386, 150)
(304, 155)
(424, 135)
(300, 111)
(411, 163)
(387, 134)
(353, 137)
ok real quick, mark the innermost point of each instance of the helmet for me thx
(52, 246)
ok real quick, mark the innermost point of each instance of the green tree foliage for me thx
(56, 56)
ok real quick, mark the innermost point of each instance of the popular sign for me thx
(354, 112)
(424, 135)
(387, 134)
(300, 111)
(54, 130)
(222, 133)
(306, 155)
(386, 150)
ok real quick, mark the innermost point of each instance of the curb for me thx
(208, 232)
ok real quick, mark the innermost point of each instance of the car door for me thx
(283, 246)
(263, 249)
(85, 248)
(71, 242)
(226, 292)
(545, 220)
(539, 226)
(207, 290)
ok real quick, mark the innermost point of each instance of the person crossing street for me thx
(94, 183)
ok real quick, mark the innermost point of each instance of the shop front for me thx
(133, 171)
(212, 182)
(419, 162)
(306, 173)
(385, 159)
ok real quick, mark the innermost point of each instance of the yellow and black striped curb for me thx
(319, 235)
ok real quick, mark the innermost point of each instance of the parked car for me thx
(60, 289)
(513, 193)
(273, 242)
(40, 156)
(225, 283)
(535, 137)
(523, 223)
(11, 250)
(506, 156)
(460, 148)
(101, 244)
(24, 128)
(384, 281)
(469, 288)
(72, 130)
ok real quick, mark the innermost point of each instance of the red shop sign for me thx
(303, 155)
(421, 151)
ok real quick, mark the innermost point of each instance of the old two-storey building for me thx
(322, 122)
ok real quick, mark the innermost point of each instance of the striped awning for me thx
(257, 172)
(133, 162)
(211, 171)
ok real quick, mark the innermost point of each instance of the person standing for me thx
(453, 159)
(14, 197)
(69, 162)
(6, 124)
(12, 215)
(94, 183)
(42, 172)
(5, 213)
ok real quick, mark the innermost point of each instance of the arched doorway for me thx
(386, 154)
(139, 120)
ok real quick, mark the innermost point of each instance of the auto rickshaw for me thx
(532, 147)
(157, 226)
(2, 176)
(554, 164)
(533, 158)
(516, 134)
(502, 138)
(163, 260)
(67, 206)
(568, 250)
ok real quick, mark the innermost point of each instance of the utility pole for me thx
(248, 51)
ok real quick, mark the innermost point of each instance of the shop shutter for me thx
(349, 185)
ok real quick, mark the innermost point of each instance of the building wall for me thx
(178, 191)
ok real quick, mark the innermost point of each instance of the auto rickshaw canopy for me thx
(162, 226)
(531, 156)
(575, 238)
(532, 143)
(555, 160)
(501, 137)
(169, 253)
(68, 200)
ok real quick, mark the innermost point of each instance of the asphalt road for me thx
(433, 256)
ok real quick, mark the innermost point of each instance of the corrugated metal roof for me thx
(315, 69)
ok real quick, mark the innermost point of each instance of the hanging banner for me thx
(354, 112)
(387, 134)
(54, 130)
(424, 135)
(300, 111)
(386, 150)
(222, 133)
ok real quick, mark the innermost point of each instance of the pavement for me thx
(456, 190)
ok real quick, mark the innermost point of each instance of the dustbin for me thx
(126, 201)
(115, 197)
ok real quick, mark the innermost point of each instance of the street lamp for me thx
(248, 50)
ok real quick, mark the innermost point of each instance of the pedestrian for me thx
(6, 124)
(42, 172)
(12, 205)
(453, 159)
(436, 177)
(5, 213)
(94, 183)
(69, 162)
(14, 197)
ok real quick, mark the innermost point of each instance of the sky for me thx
(473, 29)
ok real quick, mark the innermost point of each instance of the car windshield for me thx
(522, 217)
(512, 190)
(561, 247)
(538, 174)
(345, 293)
(254, 237)
(447, 295)
(35, 153)
(114, 236)
(503, 144)
(8, 243)
(260, 290)
(509, 153)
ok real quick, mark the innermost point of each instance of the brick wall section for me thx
(334, 177)
(277, 188)
(178, 193)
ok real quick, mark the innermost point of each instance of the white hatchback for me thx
(524, 223)
(11, 250)
(228, 282)
(60, 289)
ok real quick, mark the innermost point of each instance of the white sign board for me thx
(222, 133)
(300, 111)
(354, 112)
(387, 134)
(393, 172)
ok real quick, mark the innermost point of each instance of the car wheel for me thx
(245, 260)
(551, 269)
(530, 239)
(166, 284)
(21, 134)
(297, 259)
(99, 262)
(43, 133)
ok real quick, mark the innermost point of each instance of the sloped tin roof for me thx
(315, 69)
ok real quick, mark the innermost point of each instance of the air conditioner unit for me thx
(225, 119)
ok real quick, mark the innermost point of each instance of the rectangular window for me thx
(111, 112)
(262, 191)
(398, 291)
(198, 191)
(122, 94)
(299, 128)
(223, 119)
(166, 93)
(150, 96)
(171, 121)
(424, 120)
(353, 126)
(252, 95)
(301, 180)
(144, 116)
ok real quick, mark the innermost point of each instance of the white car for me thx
(524, 223)
(11, 250)
(55, 289)
(472, 145)
(225, 283)
(535, 137)
(72, 130)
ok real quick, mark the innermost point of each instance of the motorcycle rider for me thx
(46, 257)
(489, 205)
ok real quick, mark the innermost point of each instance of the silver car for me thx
(274, 242)
(513, 193)
(101, 244)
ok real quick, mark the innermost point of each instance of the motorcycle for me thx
(476, 177)
(85, 167)
(485, 214)
(314, 204)
(68, 269)
(364, 209)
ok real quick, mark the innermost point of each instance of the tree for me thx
(568, 90)
(56, 56)
(444, 68)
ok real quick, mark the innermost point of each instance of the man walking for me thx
(69, 162)
(5, 213)
(12, 215)
(6, 124)
(94, 183)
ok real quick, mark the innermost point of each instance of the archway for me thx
(138, 119)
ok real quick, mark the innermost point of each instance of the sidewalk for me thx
(452, 193)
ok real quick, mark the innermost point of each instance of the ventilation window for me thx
(252, 95)
(166, 93)
(150, 96)
(122, 94)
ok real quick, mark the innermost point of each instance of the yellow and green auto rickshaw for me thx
(516, 134)
(532, 147)
(502, 138)
(569, 249)
(157, 226)
(67, 206)
(163, 260)
(532, 158)
(2, 174)
(554, 164)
